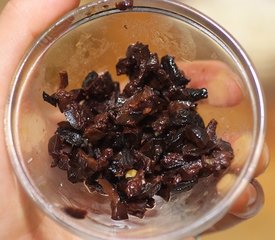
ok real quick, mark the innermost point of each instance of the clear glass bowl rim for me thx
(256, 96)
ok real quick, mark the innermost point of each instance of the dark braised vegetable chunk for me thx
(132, 145)
(125, 4)
(77, 213)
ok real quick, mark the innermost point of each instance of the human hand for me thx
(20, 23)
(18, 28)
(215, 75)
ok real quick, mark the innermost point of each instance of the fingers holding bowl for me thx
(224, 90)
(246, 206)
(242, 146)
(250, 202)
(218, 78)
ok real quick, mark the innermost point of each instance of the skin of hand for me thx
(20, 219)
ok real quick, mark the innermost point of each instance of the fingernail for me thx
(266, 155)
(255, 202)
(252, 196)
(241, 148)
(226, 183)
(264, 161)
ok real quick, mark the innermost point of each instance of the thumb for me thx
(20, 23)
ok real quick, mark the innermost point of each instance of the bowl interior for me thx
(96, 43)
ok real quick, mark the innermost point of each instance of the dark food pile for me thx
(144, 141)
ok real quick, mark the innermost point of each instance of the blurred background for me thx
(251, 22)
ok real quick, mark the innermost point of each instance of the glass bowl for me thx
(93, 37)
